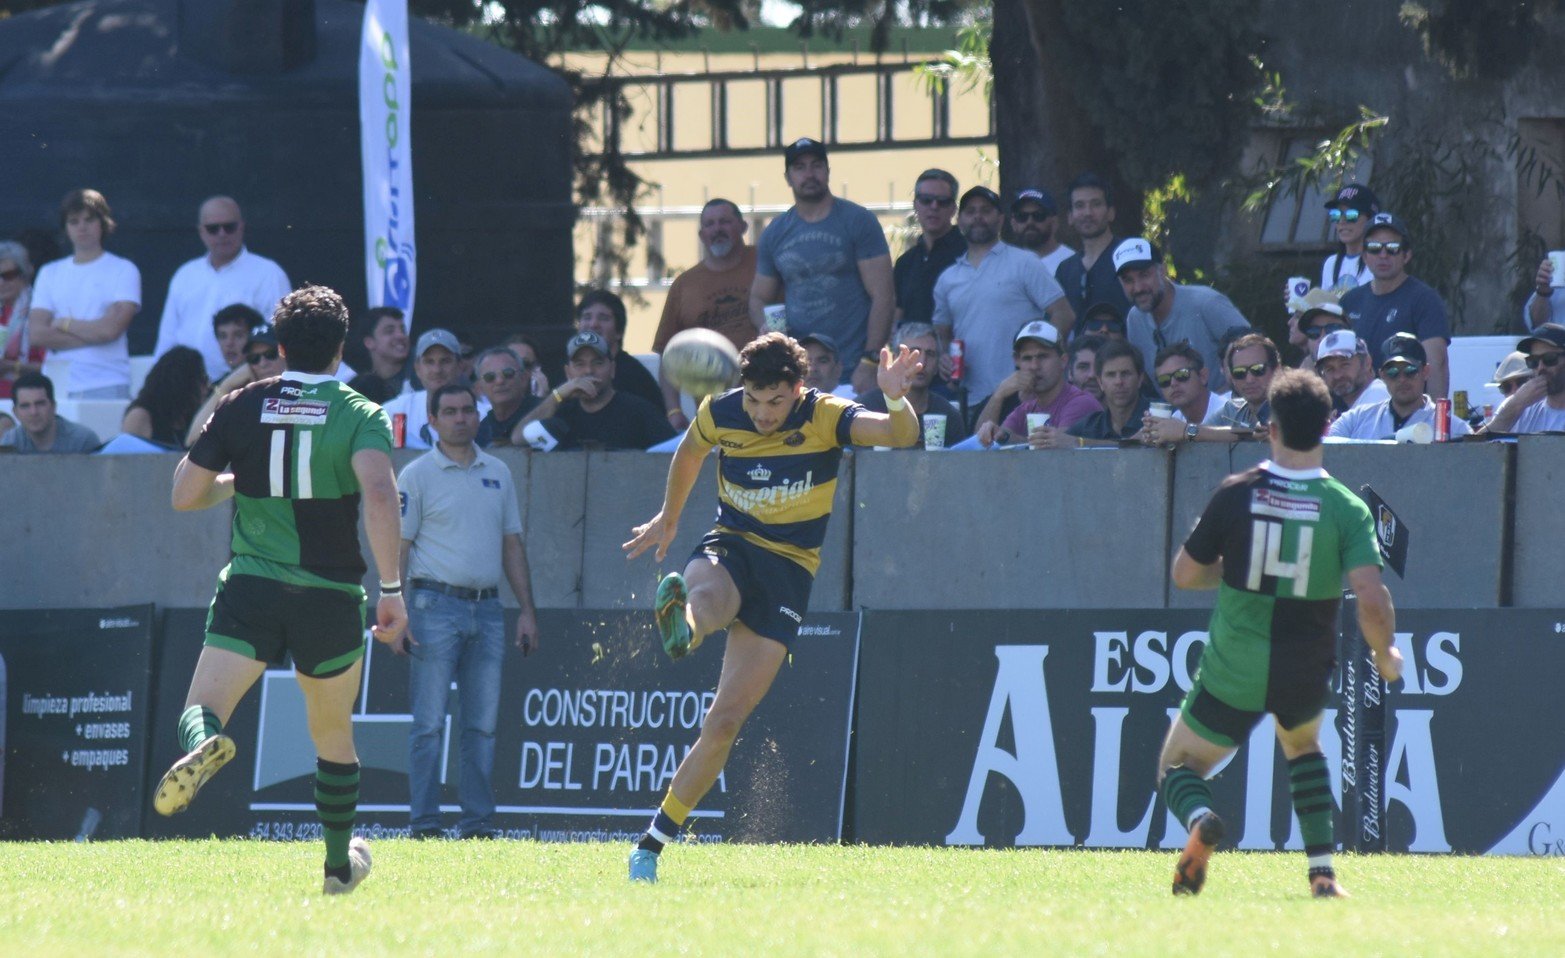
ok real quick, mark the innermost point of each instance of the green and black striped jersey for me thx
(290, 442)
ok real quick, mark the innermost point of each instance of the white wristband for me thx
(895, 403)
(391, 588)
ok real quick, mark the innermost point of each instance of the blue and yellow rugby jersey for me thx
(776, 490)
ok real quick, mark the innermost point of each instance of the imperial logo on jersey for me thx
(776, 490)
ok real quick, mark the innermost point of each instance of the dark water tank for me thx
(161, 103)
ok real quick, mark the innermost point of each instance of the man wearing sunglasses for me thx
(1320, 317)
(1538, 405)
(1181, 376)
(1348, 211)
(504, 377)
(1342, 360)
(1394, 302)
(262, 360)
(1034, 222)
(1405, 371)
(939, 245)
(228, 273)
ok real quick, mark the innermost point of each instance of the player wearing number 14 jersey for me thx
(296, 453)
(1276, 541)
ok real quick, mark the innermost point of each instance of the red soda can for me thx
(1442, 420)
(399, 430)
(957, 351)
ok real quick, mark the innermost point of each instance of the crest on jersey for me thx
(796, 439)
(760, 474)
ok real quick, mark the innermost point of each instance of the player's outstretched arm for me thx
(1377, 619)
(1190, 574)
(197, 488)
(383, 528)
(659, 531)
(897, 427)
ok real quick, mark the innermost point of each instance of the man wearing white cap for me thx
(1164, 312)
(434, 360)
(1040, 379)
(1342, 360)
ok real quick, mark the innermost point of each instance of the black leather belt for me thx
(454, 591)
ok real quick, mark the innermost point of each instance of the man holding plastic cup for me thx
(1040, 374)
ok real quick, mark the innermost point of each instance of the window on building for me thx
(1297, 219)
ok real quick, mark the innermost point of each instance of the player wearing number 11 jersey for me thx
(1276, 541)
(302, 449)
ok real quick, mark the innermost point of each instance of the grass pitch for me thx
(197, 899)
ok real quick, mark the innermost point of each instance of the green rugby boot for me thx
(669, 609)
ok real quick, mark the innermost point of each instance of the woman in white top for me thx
(1349, 211)
(83, 305)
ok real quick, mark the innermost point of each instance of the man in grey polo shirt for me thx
(988, 294)
(460, 530)
(1164, 312)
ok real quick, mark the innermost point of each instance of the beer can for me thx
(1442, 420)
(399, 430)
(958, 351)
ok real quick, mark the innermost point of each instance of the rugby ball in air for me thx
(701, 362)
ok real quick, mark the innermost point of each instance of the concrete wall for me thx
(910, 530)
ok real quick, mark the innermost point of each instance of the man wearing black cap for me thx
(1539, 404)
(1166, 312)
(990, 293)
(1405, 371)
(1088, 277)
(938, 246)
(1035, 221)
(827, 259)
(1394, 302)
(1349, 210)
(586, 411)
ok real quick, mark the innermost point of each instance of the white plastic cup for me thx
(934, 431)
(1161, 410)
(1557, 257)
(776, 318)
(1036, 420)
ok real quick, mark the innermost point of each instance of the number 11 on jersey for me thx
(303, 487)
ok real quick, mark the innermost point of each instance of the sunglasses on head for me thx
(1390, 249)
(1316, 332)
(1399, 368)
(255, 359)
(9, 274)
(508, 372)
(1352, 216)
(1241, 373)
(1549, 360)
(1033, 216)
(929, 199)
(212, 229)
(1177, 376)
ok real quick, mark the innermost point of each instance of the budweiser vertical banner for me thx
(385, 127)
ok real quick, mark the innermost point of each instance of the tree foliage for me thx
(1169, 86)
(1487, 39)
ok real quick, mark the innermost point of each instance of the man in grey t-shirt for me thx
(1164, 312)
(461, 530)
(39, 429)
(830, 259)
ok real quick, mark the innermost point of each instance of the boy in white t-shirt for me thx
(83, 305)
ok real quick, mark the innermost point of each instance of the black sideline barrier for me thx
(1039, 728)
(76, 714)
(591, 728)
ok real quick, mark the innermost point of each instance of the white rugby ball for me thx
(701, 362)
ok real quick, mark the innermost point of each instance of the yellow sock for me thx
(676, 810)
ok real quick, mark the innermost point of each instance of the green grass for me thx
(195, 899)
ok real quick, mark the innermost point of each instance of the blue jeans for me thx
(465, 641)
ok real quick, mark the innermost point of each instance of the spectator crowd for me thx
(1027, 341)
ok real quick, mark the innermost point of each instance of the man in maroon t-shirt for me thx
(1041, 385)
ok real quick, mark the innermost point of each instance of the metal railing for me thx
(887, 75)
